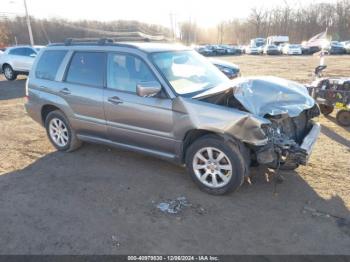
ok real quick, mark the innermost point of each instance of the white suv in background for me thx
(18, 60)
(292, 49)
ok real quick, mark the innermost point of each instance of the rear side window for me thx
(87, 68)
(17, 51)
(49, 63)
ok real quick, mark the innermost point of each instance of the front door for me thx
(144, 122)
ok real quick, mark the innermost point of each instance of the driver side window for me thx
(124, 72)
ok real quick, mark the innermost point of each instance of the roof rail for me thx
(116, 40)
(98, 41)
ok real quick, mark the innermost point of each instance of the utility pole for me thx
(28, 24)
(172, 25)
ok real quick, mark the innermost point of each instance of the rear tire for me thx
(343, 117)
(220, 172)
(9, 73)
(60, 132)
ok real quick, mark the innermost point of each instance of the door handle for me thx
(65, 91)
(115, 100)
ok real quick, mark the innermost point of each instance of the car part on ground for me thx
(215, 126)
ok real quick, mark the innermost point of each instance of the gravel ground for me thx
(99, 200)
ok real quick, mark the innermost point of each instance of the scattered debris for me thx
(177, 205)
(174, 206)
(316, 213)
(115, 241)
(199, 209)
(341, 222)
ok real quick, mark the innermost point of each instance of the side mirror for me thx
(32, 55)
(148, 89)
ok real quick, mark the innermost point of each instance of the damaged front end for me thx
(290, 139)
(288, 106)
(289, 129)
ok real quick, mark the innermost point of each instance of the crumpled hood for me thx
(272, 95)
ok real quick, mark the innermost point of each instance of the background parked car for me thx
(312, 49)
(18, 60)
(229, 69)
(240, 49)
(271, 50)
(335, 48)
(346, 45)
(216, 49)
(204, 50)
(253, 50)
(292, 49)
(229, 50)
(280, 47)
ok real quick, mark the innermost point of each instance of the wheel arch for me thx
(46, 109)
(194, 134)
(191, 136)
(5, 64)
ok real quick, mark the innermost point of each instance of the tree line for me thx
(298, 22)
(14, 30)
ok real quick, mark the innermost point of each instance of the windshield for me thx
(188, 72)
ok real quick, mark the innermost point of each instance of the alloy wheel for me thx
(8, 72)
(212, 167)
(58, 132)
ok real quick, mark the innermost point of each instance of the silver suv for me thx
(18, 60)
(169, 101)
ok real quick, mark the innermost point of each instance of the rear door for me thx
(144, 122)
(15, 56)
(82, 90)
(27, 60)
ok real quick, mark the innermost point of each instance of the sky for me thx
(149, 11)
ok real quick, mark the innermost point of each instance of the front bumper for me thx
(273, 154)
(310, 140)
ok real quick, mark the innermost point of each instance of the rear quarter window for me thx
(49, 63)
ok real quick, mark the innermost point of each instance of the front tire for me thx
(9, 73)
(60, 133)
(217, 167)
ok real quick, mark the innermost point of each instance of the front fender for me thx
(194, 114)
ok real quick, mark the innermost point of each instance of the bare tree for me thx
(257, 18)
